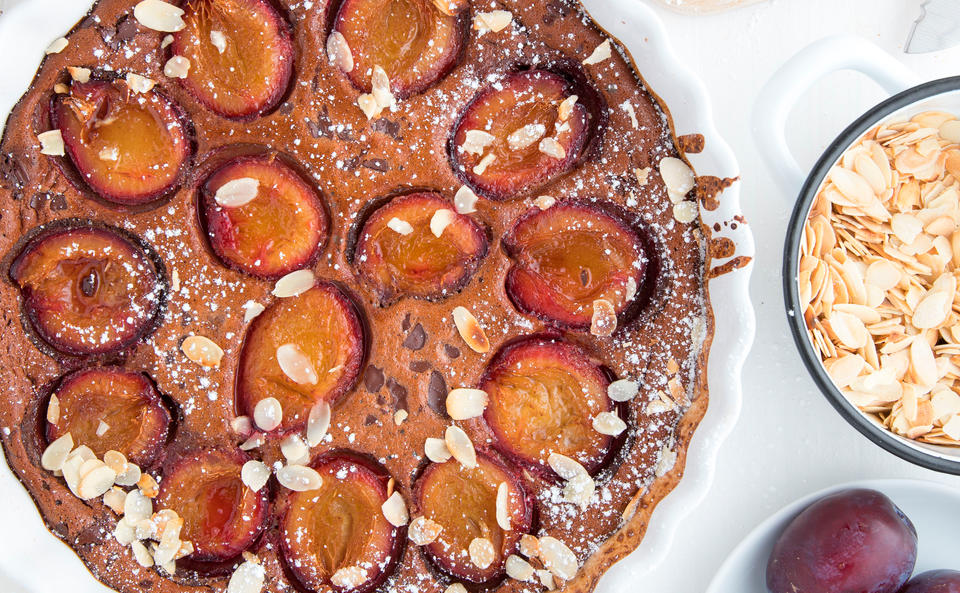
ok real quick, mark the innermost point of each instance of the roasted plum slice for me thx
(241, 55)
(414, 42)
(87, 290)
(398, 252)
(324, 328)
(221, 515)
(337, 537)
(524, 131)
(543, 396)
(262, 217)
(569, 256)
(463, 501)
(109, 408)
(129, 147)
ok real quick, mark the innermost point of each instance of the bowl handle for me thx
(780, 94)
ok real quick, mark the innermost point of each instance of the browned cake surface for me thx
(351, 161)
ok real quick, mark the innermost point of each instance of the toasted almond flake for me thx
(558, 558)
(529, 546)
(608, 423)
(61, 89)
(175, 281)
(57, 45)
(380, 84)
(139, 84)
(565, 467)
(465, 403)
(455, 588)
(552, 148)
(485, 162)
(268, 414)
(130, 476)
(51, 143)
(400, 226)
(237, 192)
(623, 390)
(503, 506)
(600, 53)
(218, 40)
(883, 274)
(465, 201)
(296, 365)
(932, 310)
(440, 220)
(159, 16)
(202, 350)
(141, 554)
(470, 330)
(254, 442)
(546, 579)
(294, 450)
(400, 416)
(96, 482)
(56, 453)
(525, 136)
(565, 109)
(177, 67)
(950, 131)
(111, 153)
(476, 141)
(849, 330)
(79, 74)
(518, 568)
(642, 175)
(299, 478)
(247, 578)
(116, 461)
(102, 428)
(459, 445)
(114, 499)
(166, 42)
(241, 425)
(395, 510)
(148, 486)
(685, 212)
(952, 428)
(579, 489)
(254, 474)
(137, 507)
(349, 577)
(482, 553)
(294, 283)
(604, 320)
(318, 422)
(423, 531)
(923, 365)
(369, 106)
(436, 450)
(53, 409)
(495, 21)
(338, 52)
(677, 176)
(251, 309)
(544, 202)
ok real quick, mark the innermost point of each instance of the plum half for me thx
(398, 252)
(87, 290)
(569, 256)
(415, 42)
(325, 326)
(853, 540)
(109, 408)
(278, 231)
(934, 581)
(221, 515)
(464, 502)
(543, 395)
(130, 148)
(241, 55)
(340, 529)
(524, 131)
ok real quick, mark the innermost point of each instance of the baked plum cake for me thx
(348, 296)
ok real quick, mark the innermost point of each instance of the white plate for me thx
(931, 507)
(28, 26)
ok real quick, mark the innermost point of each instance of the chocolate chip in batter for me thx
(437, 394)
(416, 339)
(373, 379)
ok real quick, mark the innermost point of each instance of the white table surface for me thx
(789, 441)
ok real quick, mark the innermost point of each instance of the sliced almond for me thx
(677, 176)
(460, 446)
(139, 84)
(604, 320)
(96, 482)
(114, 499)
(932, 310)
(349, 577)
(218, 40)
(148, 486)
(318, 423)
(56, 453)
(608, 423)
(476, 141)
(464, 403)
(558, 558)
(51, 143)
(623, 390)
(57, 45)
(299, 478)
(137, 507)
(552, 148)
(395, 510)
(465, 201)
(53, 409)
(369, 106)
(529, 546)
(296, 365)
(600, 53)
(518, 568)
(565, 109)
(159, 16)
(141, 554)
(470, 330)
(544, 202)
(338, 51)
(241, 425)
(485, 162)
(79, 74)
(503, 506)
(294, 283)
(251, 310)
(495, 20)
(423, 531)
(440, 220)
(177, 67)
(525, 136)
(685, 212)
(579, 489)
(202, 350)
(237, 192)
(102, 428)
(400, 226)
(116, 461)
(565, 467)
(294, 450)
(436, 450)
(482, 553)
(268, 414)
(254, 474)
(247, 578)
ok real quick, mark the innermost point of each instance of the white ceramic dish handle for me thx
(809, 65)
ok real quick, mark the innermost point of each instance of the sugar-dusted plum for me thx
(241, 55)
(398, 252)
(543, 396)
(934, 581)
(464, 503)
(524, 131)
(129, 147)
(854, 540)
(415, 42)
(569, 256)
(109, 408)
(262, 217)
(87, 290)
(337, 536)
(221, 515)
(322, 326)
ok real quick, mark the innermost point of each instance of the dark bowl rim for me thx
(811, 359)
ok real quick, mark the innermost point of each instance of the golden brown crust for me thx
(348, 164)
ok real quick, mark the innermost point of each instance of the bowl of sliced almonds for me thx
(872, 262)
